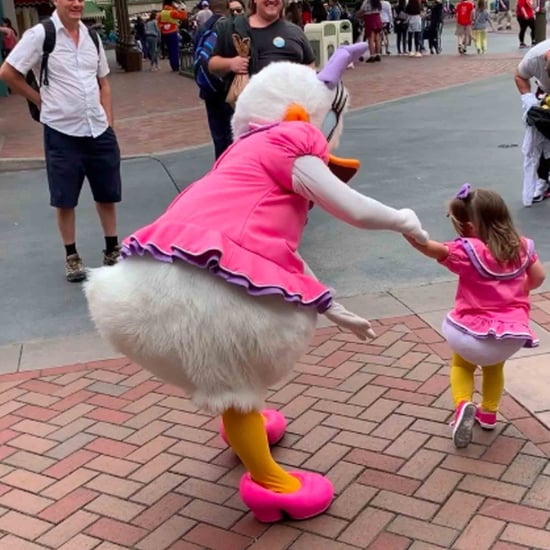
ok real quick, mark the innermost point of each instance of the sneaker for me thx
(487, 420)
(542, 191)
(411, 54)
(417, 54)
(110, 258)
(74, 269)
(522, 46)
(463, 424)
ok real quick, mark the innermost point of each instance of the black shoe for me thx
(377, 58)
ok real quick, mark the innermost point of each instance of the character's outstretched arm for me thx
(313, 179)
(344, 318)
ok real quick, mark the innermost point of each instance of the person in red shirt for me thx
(464, 16)
(525, 14)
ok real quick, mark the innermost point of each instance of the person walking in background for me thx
(414, 10)
(318, 11)
(306, 14)
(77, 114)
(152, 35)
(435, 27)
(387, 23)
(334, 11)
(8, 37)
(204, 14)
(139, 29)
(503, 13)
(482, 19)
(169, 20)
(525, 14)
(497, 269)
(464, 15)
(401, 22)
(370, 10)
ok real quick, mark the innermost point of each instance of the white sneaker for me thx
(541, 190)
(417, 54)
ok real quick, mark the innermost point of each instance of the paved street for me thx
(95, 454)
(159, 112)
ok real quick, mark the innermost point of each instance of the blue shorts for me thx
(69, 159)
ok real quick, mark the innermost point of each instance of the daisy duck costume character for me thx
(213, 296)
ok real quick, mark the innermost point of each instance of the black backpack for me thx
(540, 119)
(47, 49)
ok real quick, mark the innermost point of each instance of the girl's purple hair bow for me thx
(464, 191)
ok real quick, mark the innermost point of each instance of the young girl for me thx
(496, 269)
(482, 19)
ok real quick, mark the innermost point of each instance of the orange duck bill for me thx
(343, 169)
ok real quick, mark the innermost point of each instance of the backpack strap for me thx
(47, 49)
(49, 45)
(95, 38)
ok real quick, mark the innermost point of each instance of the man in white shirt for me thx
(76, 111)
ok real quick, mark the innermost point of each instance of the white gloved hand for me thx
(338, 314)
(412, 227)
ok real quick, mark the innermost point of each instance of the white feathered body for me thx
(193, 329)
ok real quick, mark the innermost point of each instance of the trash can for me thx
(540, 26)
(130, 59)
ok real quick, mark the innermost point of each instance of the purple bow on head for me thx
(464, 191)
(332, 72)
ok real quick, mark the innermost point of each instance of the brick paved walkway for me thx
(102, 456)
(157, 112)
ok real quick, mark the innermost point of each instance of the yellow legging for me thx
(247, 436)
(462, 383)
(480, 38)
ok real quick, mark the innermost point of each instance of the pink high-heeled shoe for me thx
(313, 498)
(275, 426)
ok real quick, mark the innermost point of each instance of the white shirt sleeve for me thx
(313, 180)
(28, 51)
(103, 67)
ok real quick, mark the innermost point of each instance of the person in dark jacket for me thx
(435, 26)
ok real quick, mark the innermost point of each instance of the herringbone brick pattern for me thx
(103, 456)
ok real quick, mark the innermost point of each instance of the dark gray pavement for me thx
(415, 153)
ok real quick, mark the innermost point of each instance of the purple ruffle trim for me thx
(210, 260)
(491, 332)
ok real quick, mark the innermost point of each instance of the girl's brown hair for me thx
(488, 212)
(481, 5)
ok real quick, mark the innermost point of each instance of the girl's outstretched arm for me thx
(433, 249)
(535, 275)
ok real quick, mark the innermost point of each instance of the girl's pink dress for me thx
(242, 221)
(491, 300)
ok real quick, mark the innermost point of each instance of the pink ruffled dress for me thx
(242, 221)
(491, 300)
